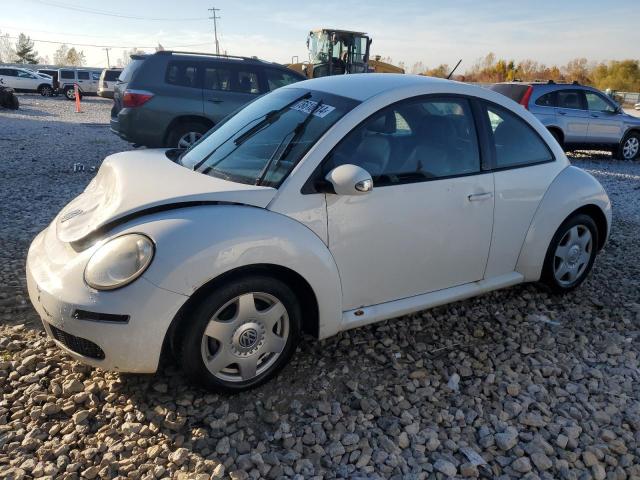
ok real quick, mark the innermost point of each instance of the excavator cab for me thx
(336, 52)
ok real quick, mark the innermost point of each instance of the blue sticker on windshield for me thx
(307, 106)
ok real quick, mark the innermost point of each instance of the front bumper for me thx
(58, 292)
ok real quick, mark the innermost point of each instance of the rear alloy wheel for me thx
(70, 93)
(188, 139)
(241, 335)
(46, 91)
(186, 134)
(571, 254)
(630, 146)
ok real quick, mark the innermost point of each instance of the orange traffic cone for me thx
(77, 92)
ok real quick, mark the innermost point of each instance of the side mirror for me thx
(350, 180)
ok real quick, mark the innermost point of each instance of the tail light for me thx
(526, 97)
(135, 98)
(105, 84)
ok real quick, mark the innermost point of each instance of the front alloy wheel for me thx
(241, 335)
(631, 147)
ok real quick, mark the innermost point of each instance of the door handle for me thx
(214, 100)
(562, 113)
(478, 197)
(593, 115)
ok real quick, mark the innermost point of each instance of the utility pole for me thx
(214, 17)
(108, 62)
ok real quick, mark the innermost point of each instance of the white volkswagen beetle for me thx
(323, 206)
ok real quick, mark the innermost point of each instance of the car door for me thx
(572, 115)
(605, 124)
(8, 78)
(520, 159)
(227, 88)
(27, 80)
(84, 81)
(426, 225)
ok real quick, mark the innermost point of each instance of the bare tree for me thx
(7, 52)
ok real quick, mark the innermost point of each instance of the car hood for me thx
(130, 183)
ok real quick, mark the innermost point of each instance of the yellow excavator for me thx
(336, 52)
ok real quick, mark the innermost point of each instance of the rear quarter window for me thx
(514, 91)
(547, 100)
(516, 143)
(111, 75)
(130, 70)
(67, 74)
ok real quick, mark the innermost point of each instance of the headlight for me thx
(119, 262)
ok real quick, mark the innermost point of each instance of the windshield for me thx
(262, 143)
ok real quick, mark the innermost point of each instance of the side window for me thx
(547, 100)
(5, 71)
(414, 140)
(570, 99)
(183, 74)
(516, 143)
(247, 82)
(83, 75)
(23, 74)
(67, 74)
(216, 78)
(95, 75)
(597, 103)
(279, 78)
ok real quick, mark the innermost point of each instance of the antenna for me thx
(454, 69)
(214, 17)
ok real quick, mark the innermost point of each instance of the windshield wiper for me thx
(297, 133)
(269, 118)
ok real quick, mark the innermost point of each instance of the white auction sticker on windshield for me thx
(308, 106)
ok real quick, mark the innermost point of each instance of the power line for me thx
(94, 11)
(110, 46)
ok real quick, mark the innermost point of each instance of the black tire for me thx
(45, 90)
(70, 94)
(629, 137)
(182, 129)
(190, 334)
(552, 262)
(557, 136)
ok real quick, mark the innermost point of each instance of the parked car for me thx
(53, 73)
(87, 81)
(323, 206)
(107, 81)
(171, 99)
(579, 117)
(24, 80)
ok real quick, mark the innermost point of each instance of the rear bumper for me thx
(129, 341)
(135, 125)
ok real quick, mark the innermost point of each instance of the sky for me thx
(430, 31)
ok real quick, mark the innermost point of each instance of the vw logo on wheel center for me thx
(248, 338)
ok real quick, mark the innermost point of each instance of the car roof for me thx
(361, 86)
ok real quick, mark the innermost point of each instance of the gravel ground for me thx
(515, 383)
